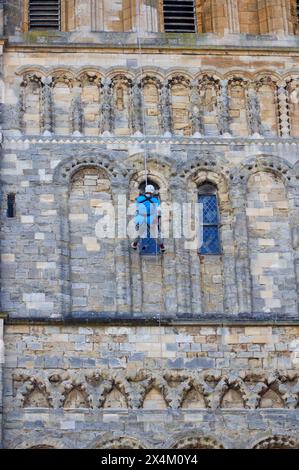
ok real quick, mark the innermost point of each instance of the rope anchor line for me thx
(146, 150)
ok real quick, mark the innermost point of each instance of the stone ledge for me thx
(149, 41)
(104, 318)
(173, 140)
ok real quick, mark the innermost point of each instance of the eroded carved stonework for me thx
(202, 106)
(107, 389)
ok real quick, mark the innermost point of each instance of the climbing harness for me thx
(148, 220)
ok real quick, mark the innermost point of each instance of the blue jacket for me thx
(146, 209)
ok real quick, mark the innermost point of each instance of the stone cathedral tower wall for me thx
(101, 347)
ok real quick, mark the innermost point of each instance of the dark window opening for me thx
(44, 14)
(210, 236)
(147, 244)
(11, 206)
(297, 10)
(179, 16)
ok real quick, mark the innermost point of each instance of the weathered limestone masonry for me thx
(171, 387)
(105, 348)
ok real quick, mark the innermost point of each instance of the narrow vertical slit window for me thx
(297, 10)
(44, 14)
(207, 197)
(179, 16)
(11, 206)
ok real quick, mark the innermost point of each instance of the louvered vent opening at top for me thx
(179, 16)
(44, 14)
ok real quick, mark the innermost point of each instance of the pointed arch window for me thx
(44, 14)
(179, 16)
(208, 198)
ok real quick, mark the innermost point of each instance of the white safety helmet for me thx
(149, 188)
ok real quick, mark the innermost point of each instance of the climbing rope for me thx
(159, 262)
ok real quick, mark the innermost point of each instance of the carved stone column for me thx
(223, 109)
(63, 245)
(169, 257)
(147, 16)
(283, 110)
(69, 15)
(243, 279)
(121, 248)
(215, 16)
(253, 111)
(82, 12)
(47, 118)
(106, 107)
(293, 201)
(182, 258)
(136, 109)
(77, 115)
(165, 109)
(275, 17)
(97, 15)
(233, 16)
(194, 263)
(1, 18)
(20, 108)
(195, 110)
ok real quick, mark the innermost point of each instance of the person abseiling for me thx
(148, 217)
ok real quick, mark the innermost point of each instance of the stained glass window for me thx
(210, 220)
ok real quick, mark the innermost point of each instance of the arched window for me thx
(44, 14)
(207, 196)
(149, 245)
(179, 16)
